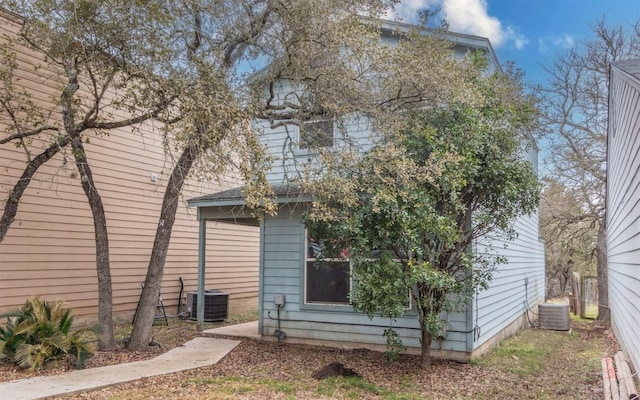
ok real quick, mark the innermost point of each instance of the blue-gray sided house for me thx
(623, 205)
(301, 302)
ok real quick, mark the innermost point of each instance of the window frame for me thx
(316, 304)
(310, 148)
(410, 311)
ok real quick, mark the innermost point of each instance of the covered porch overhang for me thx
(230, 206)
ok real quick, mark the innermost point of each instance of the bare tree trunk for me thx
(604, 313)
(142, 327)
(425, 336)
(15, 195)
(564, 279)
(425, 343)
(106, 340)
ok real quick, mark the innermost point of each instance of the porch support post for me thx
(202, 247)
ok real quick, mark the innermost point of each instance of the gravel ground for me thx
(569, 369)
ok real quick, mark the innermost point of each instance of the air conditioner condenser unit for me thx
(554, 317)
(216, 305)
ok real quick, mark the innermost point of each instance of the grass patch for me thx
(358, 388)
(233, 385)
(404, 396)
(278, 386)
(525, 354)
(239, 318)
(591, 312)
(534, 364)
(556, 362)
(352, 387)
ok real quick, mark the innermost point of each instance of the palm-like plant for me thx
(40, 333)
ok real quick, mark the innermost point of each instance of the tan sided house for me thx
(49, 250)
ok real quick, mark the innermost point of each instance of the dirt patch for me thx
(164, 337)
(592, 329)
(333, 370)
(569, 368)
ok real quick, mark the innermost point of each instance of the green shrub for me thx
(394, 345)
(40, 333)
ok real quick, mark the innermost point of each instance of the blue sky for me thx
(528, 32)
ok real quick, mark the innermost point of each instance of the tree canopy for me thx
(182, 65)
(410, 209)
(569, 241)
(575, 120)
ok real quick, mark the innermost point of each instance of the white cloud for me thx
(565, 41)
(466, 16)
(407, 10)
(519, 40)
(550, 43)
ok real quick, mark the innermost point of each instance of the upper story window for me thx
(316, 133)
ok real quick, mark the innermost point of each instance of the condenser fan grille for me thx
(216, 305)
(554, 317)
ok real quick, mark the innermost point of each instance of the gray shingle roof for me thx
(285, 193)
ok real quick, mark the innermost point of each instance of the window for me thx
(316, 133)
(327, 276)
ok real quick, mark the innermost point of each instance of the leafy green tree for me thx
(410, 209)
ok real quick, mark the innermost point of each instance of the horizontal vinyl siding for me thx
(49, 250)
(623, 211)
(52, 238)
(504, 301)
(282, 145)
(282, 141)
(283, 274)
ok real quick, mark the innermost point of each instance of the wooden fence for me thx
(584, 294)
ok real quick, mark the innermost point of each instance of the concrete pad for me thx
(245, 330)
(196, 353)
(199, 352)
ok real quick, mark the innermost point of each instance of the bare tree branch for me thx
(15, 195)
(26, 134)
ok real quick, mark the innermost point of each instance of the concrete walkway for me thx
(245, 330)
(199, 352)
